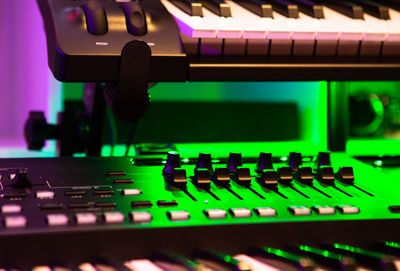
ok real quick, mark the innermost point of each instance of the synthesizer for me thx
(323, 212)
(225, 40)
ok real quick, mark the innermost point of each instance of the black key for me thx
(173, 162)
(259, 7)
(105, 205)
(371, 259)
(78, 206)
(266, 253)
(204, 162)
(311, 8)
(51, 206)
(264, 162)
(285, 175)
(295, 160)
(268, 178)
(202, 177)
(103, 263)
(346, 8)
(304, 175)
(166, 203)
(326, 258)
(141, 204)
(373, 8)
(286, 8)
(234, 161)
(116, 173)
(346, 175)
(219, 7)
(122, 181)
(170, 261)
(242, 176)
(394, 4)
(191, 7)
(221, 176)
(215, 259)
(74, 193)
(103, 192)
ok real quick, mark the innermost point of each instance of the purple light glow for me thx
(24, 75)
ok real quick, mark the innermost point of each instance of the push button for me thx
(78, 205)
(348, 209)
(85, 218)
(51, 206)
(57, 219)
(115, 173)
(165, 203)
(74, 193)
(113, 217)
(178, 215)
(131, 192)
(141, 204)
(16, 195)
(45, 194)
(140, 217)
(105, 205)
(11, 208)
(265, 211)
(215, 213)
(240, 212)
(324, 210)
(299, 210)
(15, 221)
(102, 193)
(394, 208)
(122, 181)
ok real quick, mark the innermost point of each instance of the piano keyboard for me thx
(292, 28)
(335, 256)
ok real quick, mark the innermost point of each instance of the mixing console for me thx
(71, 211)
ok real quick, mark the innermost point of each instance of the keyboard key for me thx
(172, 261)
(348, 209)
(219, 7)
(178, 215)
(254, 264)
(11, 208)
(15, 221)
(85, 218)
(324, 210)
(216, 259)
(142, 265)
(299, 210)
(311, 8)
(378, 10)
(45, 194)
(346, 8)
(215, 213)
(258, 7)
(140, 217)
(286, 8)
(57, 219)
(240, 212)
(113, 217)
(131, 192)
(265, 211)
(191, 7)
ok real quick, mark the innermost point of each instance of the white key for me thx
(113, 217)
(85, 218)
(57, 219)
(42, 268)
(142, 265)
(87, 267)
(15, 221)
(140, 217)
(192, 26)
(391, 46)
(11, 208)
(255, 264)
(45, 194)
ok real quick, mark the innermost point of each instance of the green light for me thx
(164, 161)
(173, 152)
(186, 160)
(284, 158)
(392, 244)
(215, 161)
(378, 163)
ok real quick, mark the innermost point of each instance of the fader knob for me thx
(295, 160)
(285, 174)
(264, 162)
(173, 161)
(234, 161)
(204, 162)
(21, 179)
(346, 175)
(323, 159)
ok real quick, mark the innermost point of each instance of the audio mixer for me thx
(183, 213)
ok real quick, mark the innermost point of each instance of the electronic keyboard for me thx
(198, 212)
(225, 40)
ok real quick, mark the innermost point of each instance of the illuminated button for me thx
(299, 210)
(140, 217)
(11, 208)
(131, 192)
(265, 211)
(324, 210)
(348, 209)
(393, 208)
(57, 219)
(45, 194)
(15, 221)
(178, 215)
(215, 213)
(113, 218)
(85, 218)
(240, 212)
